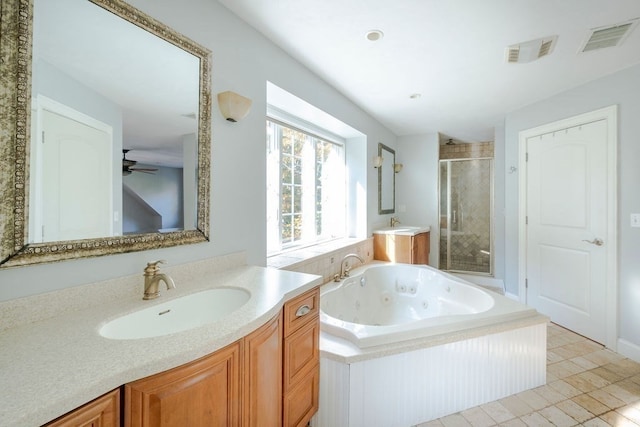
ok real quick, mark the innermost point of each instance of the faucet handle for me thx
(152, 267)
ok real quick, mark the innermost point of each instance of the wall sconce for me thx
(397, 167)
(377, 161)
(233, 107)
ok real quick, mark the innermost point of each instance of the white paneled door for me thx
(76, 179)
(567, 224)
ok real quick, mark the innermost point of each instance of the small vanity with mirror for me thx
(396, 243)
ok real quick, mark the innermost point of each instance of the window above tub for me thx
(309, 154)
(305, 188)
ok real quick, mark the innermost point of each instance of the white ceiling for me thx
(450, 51)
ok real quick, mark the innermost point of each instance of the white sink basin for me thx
(180, 314)
(404, 230)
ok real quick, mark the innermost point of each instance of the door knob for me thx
(596, 241)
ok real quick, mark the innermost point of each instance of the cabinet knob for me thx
(303, 310)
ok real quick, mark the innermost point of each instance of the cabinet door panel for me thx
(401, 248)
(203, 393)
(393, 248)
(302, 401)
(263, 376)
(301, 353)
(421, 249)
(102, 412)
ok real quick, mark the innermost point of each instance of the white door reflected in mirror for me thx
(71, 177)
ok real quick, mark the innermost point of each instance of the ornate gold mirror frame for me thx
(15, 97)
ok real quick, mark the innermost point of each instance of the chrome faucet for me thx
(344, 266)
(394, 221)
(152, 279)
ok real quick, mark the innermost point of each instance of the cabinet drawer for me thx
(302, 401)
(301, 353)
(301, 310)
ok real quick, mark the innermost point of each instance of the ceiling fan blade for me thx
(149, 171)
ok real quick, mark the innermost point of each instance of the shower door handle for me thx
(597, 241)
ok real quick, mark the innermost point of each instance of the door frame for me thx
(610, 114)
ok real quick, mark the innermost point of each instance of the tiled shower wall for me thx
(466, 151)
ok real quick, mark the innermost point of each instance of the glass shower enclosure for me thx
(466, 215)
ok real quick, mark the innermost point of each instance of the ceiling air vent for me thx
(611, 36)
(531, 50)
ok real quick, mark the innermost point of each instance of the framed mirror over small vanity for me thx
(105, 134)
(386, 180)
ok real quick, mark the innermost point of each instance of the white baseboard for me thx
(628, 349)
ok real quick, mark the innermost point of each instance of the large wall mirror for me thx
(105, 141)
(386, 180)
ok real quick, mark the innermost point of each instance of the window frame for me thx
(284, 119)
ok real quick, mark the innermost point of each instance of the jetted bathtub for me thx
(403, 344)
(389, 303)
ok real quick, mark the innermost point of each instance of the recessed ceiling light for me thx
(415, 95)
(374, 35)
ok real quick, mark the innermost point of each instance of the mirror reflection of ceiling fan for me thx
(128, 165)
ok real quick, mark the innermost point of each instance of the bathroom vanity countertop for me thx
(400, 230)
(52, 366)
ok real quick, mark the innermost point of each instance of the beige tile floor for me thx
(587, 385)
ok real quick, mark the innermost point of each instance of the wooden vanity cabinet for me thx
(103, 412)
(402, 248)
(269, 378)
(301, 359)
(203, 393)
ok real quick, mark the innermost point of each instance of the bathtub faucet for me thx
(344, 266)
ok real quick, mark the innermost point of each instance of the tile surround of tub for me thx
(34, 308)
(324, 260)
